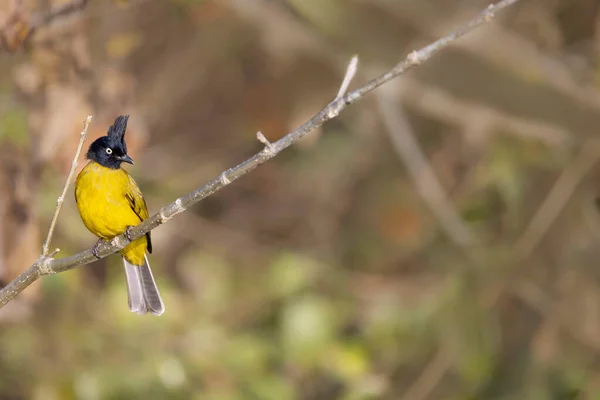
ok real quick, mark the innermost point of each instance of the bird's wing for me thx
(136, 201)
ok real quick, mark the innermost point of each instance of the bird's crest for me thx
(117, 129)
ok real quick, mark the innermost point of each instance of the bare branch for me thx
(420, 56)
(421, 171)
(61, 198)
(45, 265)
(557, 198)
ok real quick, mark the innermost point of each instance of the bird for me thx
(110, 202)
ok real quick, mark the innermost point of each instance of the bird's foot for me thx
(96, 248)
(128, 233)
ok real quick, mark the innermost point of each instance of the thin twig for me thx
(61, 198)
(443, 105)
(535, 297)
(261, 138)
(350, 73)
(546, 214)
(559, 195)
(46, 265)
(420, 56)
(421, 171)
(427, 381)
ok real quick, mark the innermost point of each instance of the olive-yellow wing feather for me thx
(136, 201)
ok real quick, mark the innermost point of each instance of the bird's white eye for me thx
(108, 150)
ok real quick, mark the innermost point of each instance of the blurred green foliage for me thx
(323, 274)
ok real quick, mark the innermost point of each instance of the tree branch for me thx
(47, 265)
(61, 198)
(420, 170)
(557, 198)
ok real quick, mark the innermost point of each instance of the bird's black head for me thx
(110, 150)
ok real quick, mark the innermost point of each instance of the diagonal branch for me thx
(557, 198)
(54, 13)
(47, 265)
(421, 171)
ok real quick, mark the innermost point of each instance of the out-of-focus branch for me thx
(19, 26)
(557, 198)
(443, 105)
(47, 265)
(421, 171)
(500, 46)
(62, 10)
(429, 377)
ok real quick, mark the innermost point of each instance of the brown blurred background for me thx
(438, 240)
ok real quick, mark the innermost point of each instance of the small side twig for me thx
(61, 198)
(350, 73)
(261, 138)
(342, 100)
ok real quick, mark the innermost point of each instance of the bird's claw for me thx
(128, 233)
(96, 248)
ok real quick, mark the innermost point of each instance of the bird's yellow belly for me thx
(103, 214)
(105, 211)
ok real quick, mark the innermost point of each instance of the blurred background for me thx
(438, 240)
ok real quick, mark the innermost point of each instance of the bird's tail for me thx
(142, 290)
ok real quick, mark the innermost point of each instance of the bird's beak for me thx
(126, 159)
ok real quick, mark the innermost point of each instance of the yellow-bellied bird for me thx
(110, 202)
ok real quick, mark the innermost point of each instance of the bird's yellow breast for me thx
(103, 198)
